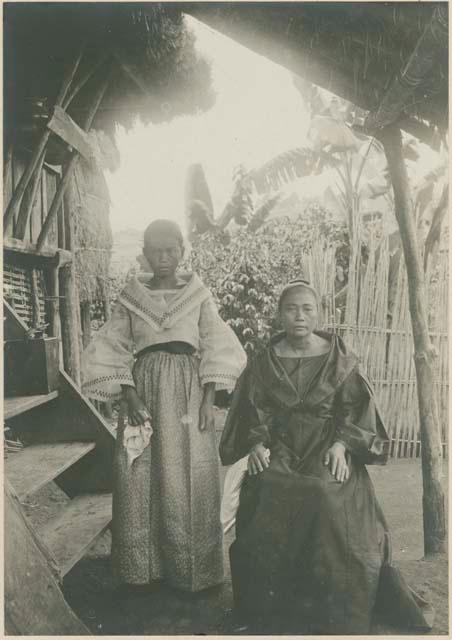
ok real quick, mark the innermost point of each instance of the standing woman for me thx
(165, 350)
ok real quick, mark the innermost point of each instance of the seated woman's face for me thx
(299, 313)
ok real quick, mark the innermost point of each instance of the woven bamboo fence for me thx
(25, 290)
(375, 321)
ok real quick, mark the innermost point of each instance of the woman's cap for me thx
(293, 284)
(163, 229)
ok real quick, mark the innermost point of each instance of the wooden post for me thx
(86, 323)
(29, 199)
(70, 167)
(433, 495)
(40, 148)
(70, 322)
(55, 324)
(70, 328)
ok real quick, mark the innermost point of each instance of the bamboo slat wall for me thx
(376, 323)
(24, 289)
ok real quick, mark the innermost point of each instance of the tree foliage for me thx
(246, 274)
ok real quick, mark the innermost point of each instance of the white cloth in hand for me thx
(136, 439)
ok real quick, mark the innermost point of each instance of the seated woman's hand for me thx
(259, 459)
(336, 459)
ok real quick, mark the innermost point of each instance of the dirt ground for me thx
(92, 592)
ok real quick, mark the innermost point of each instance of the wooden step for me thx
(69, 535)
(36, 465)
(13, 407)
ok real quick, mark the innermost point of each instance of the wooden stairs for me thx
(66, 441)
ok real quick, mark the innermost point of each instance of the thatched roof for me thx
(43, 39)
(354, 49)
(155, 75)
(93, 240)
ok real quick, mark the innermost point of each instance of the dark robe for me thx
(308, 547)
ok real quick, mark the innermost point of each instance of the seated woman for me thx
(312, 544)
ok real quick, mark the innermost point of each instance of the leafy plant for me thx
(246, 275)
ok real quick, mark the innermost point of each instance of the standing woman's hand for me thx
(137, 410)
(206, 410)
(206, 417)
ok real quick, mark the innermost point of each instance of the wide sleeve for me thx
(247, 422)
(222, 356)
(359, 423)
(108, 360)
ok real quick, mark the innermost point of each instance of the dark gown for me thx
(309, 550)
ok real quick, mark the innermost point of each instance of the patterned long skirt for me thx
(166, 507)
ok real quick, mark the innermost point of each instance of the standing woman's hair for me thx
(295, 284)
(163, 228)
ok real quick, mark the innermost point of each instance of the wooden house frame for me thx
(71, 73)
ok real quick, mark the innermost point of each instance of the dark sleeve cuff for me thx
(259, 435)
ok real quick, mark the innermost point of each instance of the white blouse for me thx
(143, 317)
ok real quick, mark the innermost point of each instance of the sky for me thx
(257, 114)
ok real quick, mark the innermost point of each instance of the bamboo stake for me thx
(82, 82)
(70, 167)
(70, 323)
(54, 289)
(85, 317)
(133, 75)
(29, 200)
(40, 148)
(35, 306)
(8, 161)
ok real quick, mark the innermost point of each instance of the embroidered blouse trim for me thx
(131, 297)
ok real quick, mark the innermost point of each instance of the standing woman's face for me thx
(163, 255)
(299, 313)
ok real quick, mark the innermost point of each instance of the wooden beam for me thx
(128, 69)
(63, 126)
(134, 75)
(67, 175)
(29, 199)
(424, 354)
(40, 148)
(82, 82)
(14, 245)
